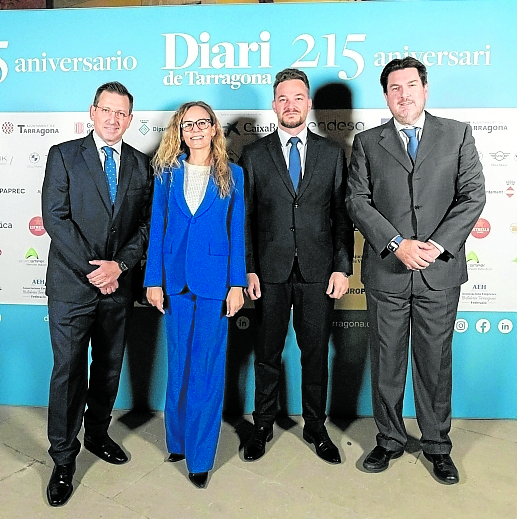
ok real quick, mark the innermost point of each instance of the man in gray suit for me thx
(415, 191)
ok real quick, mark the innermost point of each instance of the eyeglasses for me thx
(202, 124)
(108, 111)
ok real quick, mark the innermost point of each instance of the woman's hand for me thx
(155, 297)
(234, 301)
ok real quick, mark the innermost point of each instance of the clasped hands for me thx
(417, 255)
(105, 277)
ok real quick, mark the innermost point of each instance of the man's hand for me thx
(109, 289)
(234, 301)
(416, 255)
(155, 297)
(338, 285)
(253, 289)
(105, 275)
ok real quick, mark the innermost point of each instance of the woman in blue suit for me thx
(195, 274)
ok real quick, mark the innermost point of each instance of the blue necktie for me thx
(111, 172)
(295, 166)
(412, 146)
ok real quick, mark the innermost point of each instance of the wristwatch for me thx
(393, 245)
(121, 265)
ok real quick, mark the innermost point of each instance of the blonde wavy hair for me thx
(172, 146)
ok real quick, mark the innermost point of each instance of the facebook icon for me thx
(483, 325)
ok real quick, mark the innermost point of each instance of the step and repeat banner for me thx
(52, 61)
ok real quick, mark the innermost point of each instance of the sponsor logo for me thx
(144, 129)
(481, 229)
(461, 325)
(231, 128)
(37, 129)
(505, 326)
(472, 256)
(34, 157)
(31, 253)
(12, 191)
(513, 228)
(499, 155)
(79, 128)
(8, 127)
(510, 191)
(483, 325)
(6, 160)
(489, 127)
(243, 323)
(36, 226)
(474, 264)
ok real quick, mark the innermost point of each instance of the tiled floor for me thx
(289, 482)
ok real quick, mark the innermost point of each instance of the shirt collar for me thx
(284, 136)
(99, 143)
(419, 123)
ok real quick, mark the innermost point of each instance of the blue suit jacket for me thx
(204, 251)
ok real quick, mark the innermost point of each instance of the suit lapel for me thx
(91, 157)
(178, 181)
(127, 165)
(392, 143)
(311, 159)
(210, 195)
(430, 136)
(274, 147)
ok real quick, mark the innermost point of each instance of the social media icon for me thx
(461, 325)
(483, 325)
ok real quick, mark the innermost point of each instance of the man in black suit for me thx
(299, 250)
(96, 207)
(415, 191)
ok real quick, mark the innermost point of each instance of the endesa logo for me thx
(36, 226)
(481, 229)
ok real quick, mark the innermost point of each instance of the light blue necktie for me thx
(412, 146)
(111, 172)
(295, 166)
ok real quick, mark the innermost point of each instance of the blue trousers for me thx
(197, 332)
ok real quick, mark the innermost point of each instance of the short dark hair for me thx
(291, 73)
(399, 64)
(115, 88)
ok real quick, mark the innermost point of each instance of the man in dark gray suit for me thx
(96, 207)
(299, 251)
(415, 191)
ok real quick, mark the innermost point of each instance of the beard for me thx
(291, 123)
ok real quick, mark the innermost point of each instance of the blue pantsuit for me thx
(197, 330)
(196, 258)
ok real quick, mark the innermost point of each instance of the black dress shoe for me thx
(379, 459)
(444, 468)
(59, 488)
(173, 457)
(255, 447)
(199, 479)
(106, 449)
(325, 449)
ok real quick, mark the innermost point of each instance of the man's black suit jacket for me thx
(313, 222)
(80, 220)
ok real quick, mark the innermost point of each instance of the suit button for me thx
(296, 206)
(113, 231)
(292, 229)
(417, 207)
